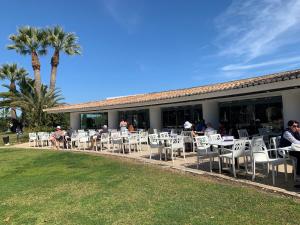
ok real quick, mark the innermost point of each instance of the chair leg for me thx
(253, 171)
(220, 162)
(210, 164)
(198, 161)
(285, 171)
(233, 167)
(273, 175)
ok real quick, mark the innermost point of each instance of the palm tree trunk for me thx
(12, 88)
(54, 65)
(13, 113)
(37, 72)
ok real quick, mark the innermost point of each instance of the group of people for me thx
(62, 136)
(201, 128)
(124, 126)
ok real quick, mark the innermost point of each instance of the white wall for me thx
(210, 111)
(113, 118)
(291, 105)
(75, 121)
(155, 117)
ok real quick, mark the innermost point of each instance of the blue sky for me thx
(141, 46)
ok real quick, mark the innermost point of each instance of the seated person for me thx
(222, 129)
(209, 128)
(130, 128)
(187, 126)
(97, 135)
(57, 137)
(291, 136)
(200, 126)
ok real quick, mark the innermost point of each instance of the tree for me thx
(12, 73)
(61, 41)
(30, 103)
(31, 41)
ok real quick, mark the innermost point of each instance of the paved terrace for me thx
(262, 180)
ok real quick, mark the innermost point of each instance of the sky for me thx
(141, 46)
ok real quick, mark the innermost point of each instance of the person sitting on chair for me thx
(57, 137)
(290, 136)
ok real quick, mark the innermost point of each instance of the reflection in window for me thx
(252, 114)
(93, 120)
(174, 117)
(138, 118)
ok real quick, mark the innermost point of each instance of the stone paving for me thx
(189, 165)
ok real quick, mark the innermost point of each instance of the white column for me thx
(75, 120)
(155, 117)
(210, 111)
(112, 117)
(291, 105)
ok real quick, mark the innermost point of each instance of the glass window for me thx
(174, 117)
(93, 120)
(252, 114)
(138, 118)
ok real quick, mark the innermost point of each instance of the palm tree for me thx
(30, 41)
(12, 73)
(30, 103)
(60, 41)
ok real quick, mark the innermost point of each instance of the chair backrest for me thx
(115, 135)
(215, 137)
(258, 141)
(104, 137)
(177, 142)
(243, 133)
(187, 136)
(274, 142)
(82, 134)
(92, 132)
(80, 131)
(153, 140)
(133, 138)
(201, 141)
(164, 135)
(209, 133)
(238, 148)
(32, 135)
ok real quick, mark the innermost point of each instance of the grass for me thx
(13, 138)
(49, 187)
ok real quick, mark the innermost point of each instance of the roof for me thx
(155, 96)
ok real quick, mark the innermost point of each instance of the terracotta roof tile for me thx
(183, 92)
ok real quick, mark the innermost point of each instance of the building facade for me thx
(269, 100)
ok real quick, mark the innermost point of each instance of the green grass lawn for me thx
(51, 187)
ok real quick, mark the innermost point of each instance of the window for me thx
(93, 120)
(138, 118)
(252, 114)
(174, 117)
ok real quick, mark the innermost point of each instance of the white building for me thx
(258, 101)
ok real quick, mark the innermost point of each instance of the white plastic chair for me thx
(116, 140)
(188, 138)
(154, 143)
(33, 138)
(260, 155)
(237, 151)
(143, 139)
(204, 150)
(103, 140)
(132, 142)
(176, 146)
